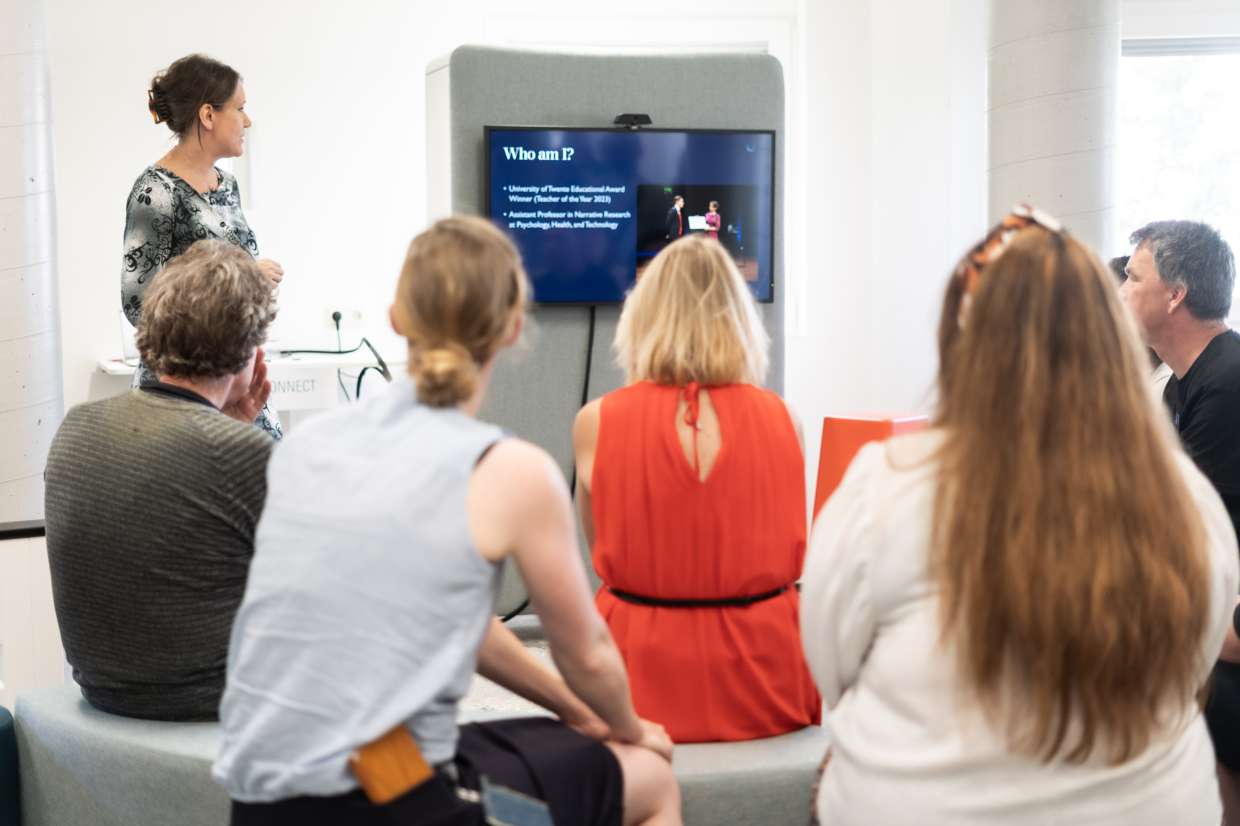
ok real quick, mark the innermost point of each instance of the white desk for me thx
(298, 382)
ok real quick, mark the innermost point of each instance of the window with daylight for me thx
(1179, 144)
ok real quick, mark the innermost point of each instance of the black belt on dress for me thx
(725, 602)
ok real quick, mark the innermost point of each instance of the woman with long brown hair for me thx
(1010, 615)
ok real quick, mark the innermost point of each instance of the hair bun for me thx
(446, 374)
(177, 94)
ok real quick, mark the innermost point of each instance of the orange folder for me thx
(843, 436)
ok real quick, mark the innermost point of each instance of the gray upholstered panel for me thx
(535, 394)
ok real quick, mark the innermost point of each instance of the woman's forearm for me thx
(599, 678)
(504, 660)
(597, 685)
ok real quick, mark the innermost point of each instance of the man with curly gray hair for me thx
(152, 497)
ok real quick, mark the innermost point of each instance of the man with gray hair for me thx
(1180, 282)
(152, 497)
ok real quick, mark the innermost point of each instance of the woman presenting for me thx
(713, 221)
(183, 197)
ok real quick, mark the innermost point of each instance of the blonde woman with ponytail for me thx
(371, 599)
(1011, 615)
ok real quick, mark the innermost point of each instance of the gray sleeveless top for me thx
(366, 602)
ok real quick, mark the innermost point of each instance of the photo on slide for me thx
(658, 224)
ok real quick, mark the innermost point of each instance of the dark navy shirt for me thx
(1205, 406)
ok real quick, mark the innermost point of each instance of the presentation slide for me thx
(589, 208)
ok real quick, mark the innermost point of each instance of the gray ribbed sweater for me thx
(151, 505)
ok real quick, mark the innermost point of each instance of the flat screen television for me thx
(589, 208)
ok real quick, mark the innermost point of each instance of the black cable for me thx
(383, 368)
(357, 392)
(365, 342)
(514, 612)
(380, 366)
(585, 389)
(585, 384)
(339, 374)
(336, 352)
(585, 397)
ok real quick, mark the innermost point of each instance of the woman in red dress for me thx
(691, 488)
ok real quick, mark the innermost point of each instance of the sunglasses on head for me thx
(1022, 216)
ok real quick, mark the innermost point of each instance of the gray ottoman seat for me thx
(752, 783)
(83, 767)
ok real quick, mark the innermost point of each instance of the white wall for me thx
(30, 385)
(895, 122)
(30, 651)
(335, 159)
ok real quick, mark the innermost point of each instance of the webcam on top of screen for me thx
(632, 120)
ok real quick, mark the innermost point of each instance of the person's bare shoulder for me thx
(518, 477)
(585, 425)
(515, 485)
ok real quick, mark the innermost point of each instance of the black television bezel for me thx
(486, 185)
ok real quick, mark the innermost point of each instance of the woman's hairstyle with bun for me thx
(178, 92)
(461, 290)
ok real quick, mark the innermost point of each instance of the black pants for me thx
(1223, 714)
(577, 777)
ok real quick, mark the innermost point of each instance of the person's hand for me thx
(654, 737)
(246, 407)
(584, 721)
(272, 271)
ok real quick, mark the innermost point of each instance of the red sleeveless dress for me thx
(718, 672)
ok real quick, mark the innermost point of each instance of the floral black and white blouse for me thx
(163, 217)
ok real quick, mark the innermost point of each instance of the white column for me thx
(30, 387)
(894, 123)
(1054, 67)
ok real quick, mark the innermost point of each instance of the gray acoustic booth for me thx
(538, 389)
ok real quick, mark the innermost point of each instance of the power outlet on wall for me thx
(351, 318)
